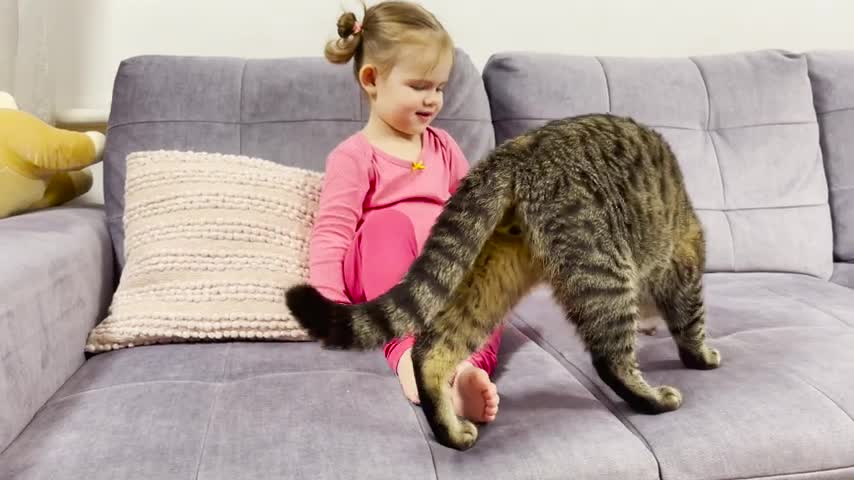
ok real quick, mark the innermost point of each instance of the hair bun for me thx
(346, 24)
(341, 50)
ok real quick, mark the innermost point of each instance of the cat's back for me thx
(617, 176)
(600, 138)
(604, 150)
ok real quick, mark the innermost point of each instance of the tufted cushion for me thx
(832, 76)
(742, 126)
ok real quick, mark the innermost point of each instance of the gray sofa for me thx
(766, 140)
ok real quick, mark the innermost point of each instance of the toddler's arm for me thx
(345, 186)
(457, 162)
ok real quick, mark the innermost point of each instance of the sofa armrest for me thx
(843, 274)
(56, 281)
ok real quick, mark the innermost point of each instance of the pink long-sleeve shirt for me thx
(361, 180)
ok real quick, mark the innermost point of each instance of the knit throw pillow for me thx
(212, 242)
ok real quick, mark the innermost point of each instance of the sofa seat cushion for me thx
(843, 274)
(223, 411)
(833, 95)
(297, 411)
(781, 403)
(56, 280)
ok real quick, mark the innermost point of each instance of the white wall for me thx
(96, 35)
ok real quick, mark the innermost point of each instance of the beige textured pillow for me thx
(212, 242)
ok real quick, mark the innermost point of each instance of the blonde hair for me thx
(384, 29)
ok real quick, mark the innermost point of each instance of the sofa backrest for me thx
(832, 76)
(742, 125)
(292, 111)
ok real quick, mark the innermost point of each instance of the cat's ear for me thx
(368, 77)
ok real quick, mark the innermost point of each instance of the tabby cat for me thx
(593, 205)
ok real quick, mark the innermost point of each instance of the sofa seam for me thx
(835, 110)
(772, 476)
(676, 127)
(203, 447)
(263, 122)
(585, 381)
(823, 394)
(240, 109)
(717, 157)
(607, 83)
(426, 441)
(735, 335)
(775, 207)
(804, 302)
(218, 383)
(213, 406)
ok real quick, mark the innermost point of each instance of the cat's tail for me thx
(459, 234)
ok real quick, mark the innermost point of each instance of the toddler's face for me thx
(410, 96)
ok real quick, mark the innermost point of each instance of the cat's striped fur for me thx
(593, 205)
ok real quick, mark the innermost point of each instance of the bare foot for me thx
(649, 319)
(475, 397)
(650, 331)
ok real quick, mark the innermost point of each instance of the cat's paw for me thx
(657, 400)
(669, 399)
(463, 436)
(705, 358)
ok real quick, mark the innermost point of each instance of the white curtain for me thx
(25, 29)
(8, 42)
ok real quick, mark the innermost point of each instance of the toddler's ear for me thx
(368, 79)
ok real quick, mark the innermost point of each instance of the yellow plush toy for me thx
(40, 165)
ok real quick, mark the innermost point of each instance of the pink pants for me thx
(380, 255)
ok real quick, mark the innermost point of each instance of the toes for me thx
(490, 412)
(490, 391)
(478, 396)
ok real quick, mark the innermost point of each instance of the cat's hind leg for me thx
(679, 297)
(502, 274)
(599, 293)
